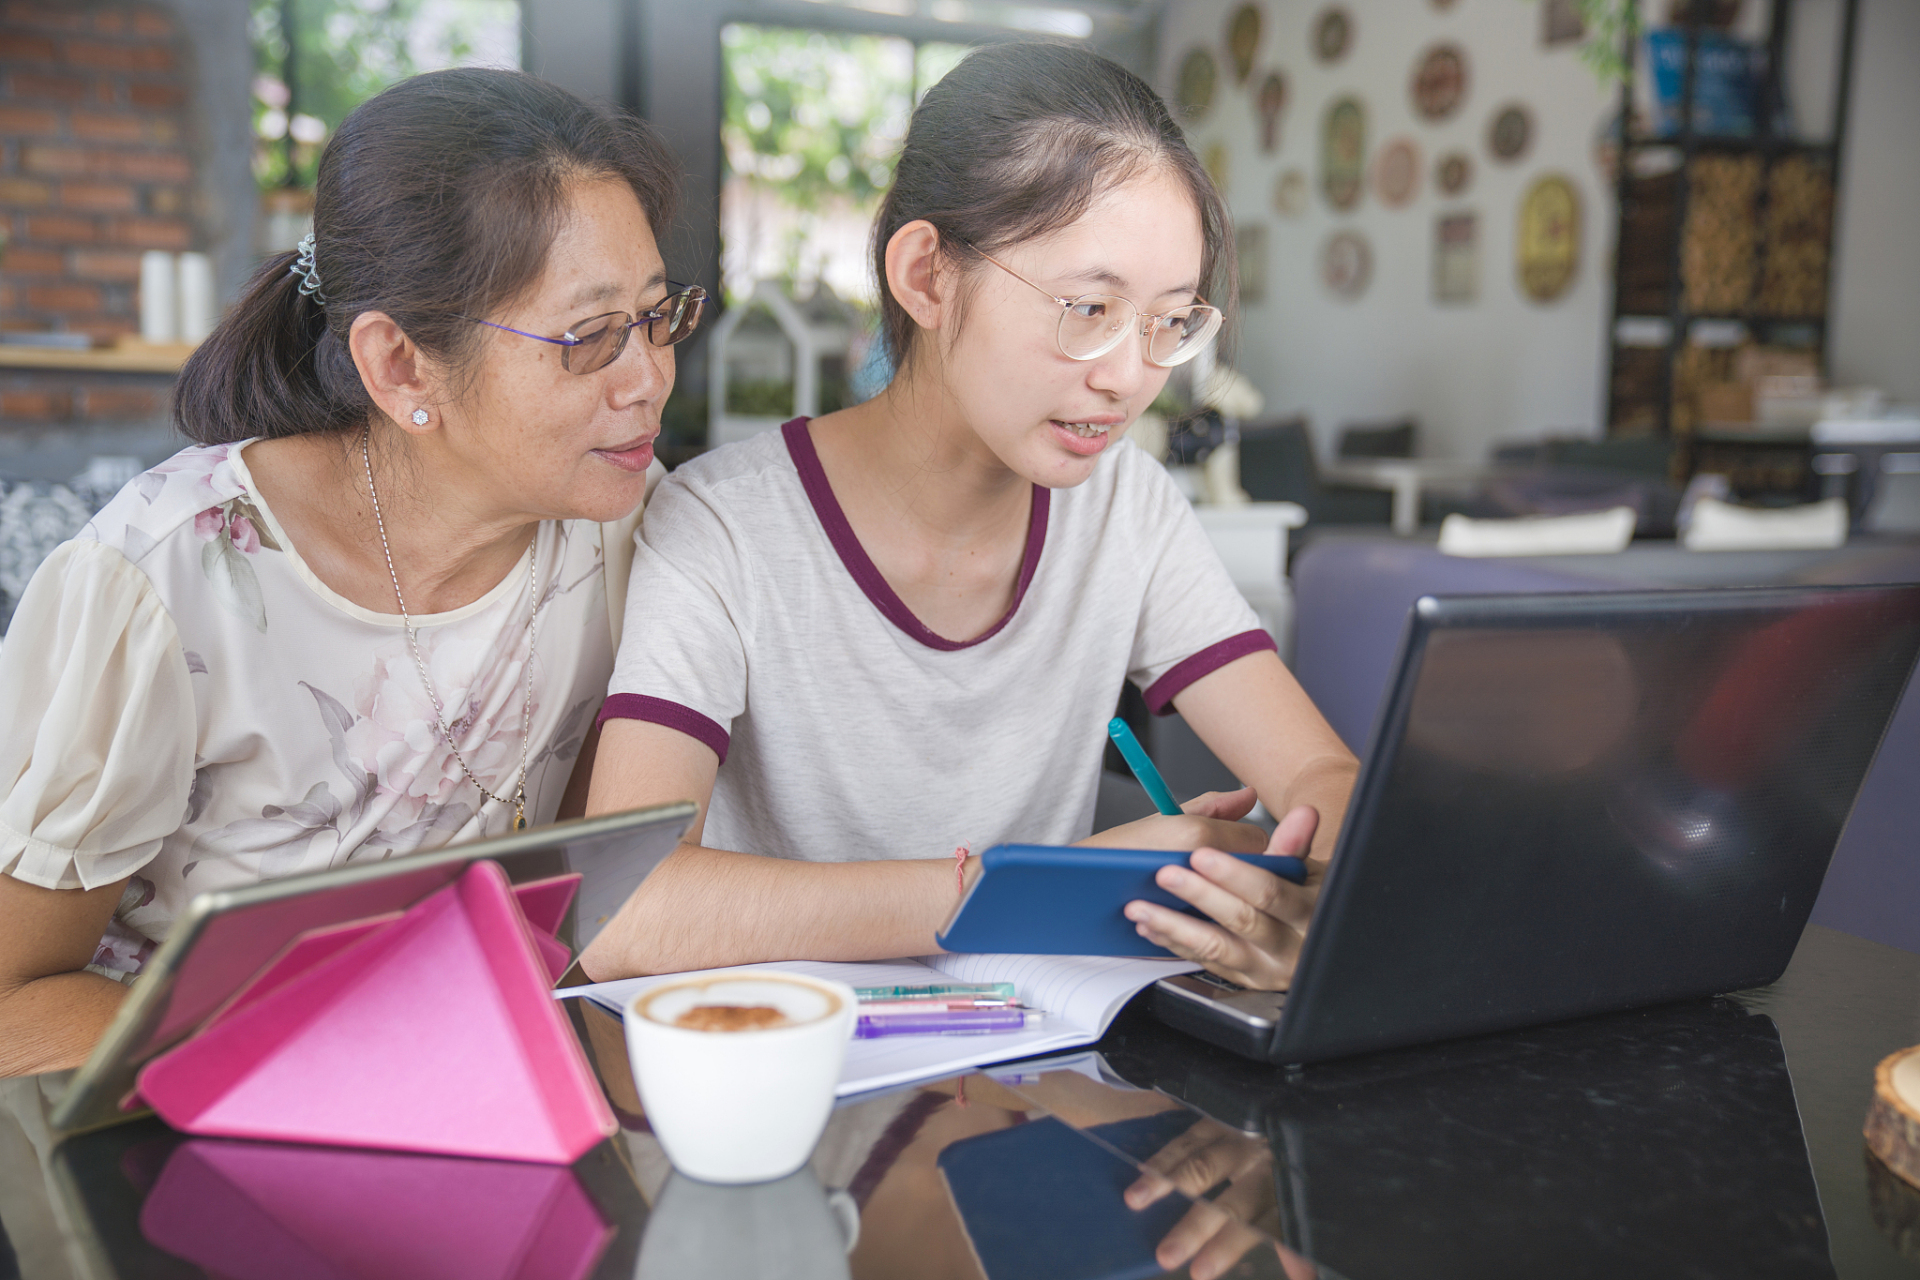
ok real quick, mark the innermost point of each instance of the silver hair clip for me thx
(308, 273)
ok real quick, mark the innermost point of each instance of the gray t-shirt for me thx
(846, 730)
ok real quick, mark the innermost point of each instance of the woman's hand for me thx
(1259, 921)
(1211, 821)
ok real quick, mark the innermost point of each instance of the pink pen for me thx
(870, 1008)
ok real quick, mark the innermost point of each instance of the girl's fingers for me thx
(1231, 805)
(1294, 836)
(1214, 877)
(1257, 920)
(1264, 967)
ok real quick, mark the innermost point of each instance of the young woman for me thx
(365, 615)
(900, 628)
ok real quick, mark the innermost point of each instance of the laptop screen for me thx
(1576, 803)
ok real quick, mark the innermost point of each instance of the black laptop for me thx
(1581, 803)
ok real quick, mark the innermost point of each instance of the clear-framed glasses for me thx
(595, 343)
(1095, 323)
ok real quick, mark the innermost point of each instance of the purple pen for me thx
(952, 1022)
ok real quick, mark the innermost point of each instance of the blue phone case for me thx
(1047, 900)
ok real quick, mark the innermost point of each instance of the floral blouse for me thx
(186, 704)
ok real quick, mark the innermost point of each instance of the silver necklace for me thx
(519, 798)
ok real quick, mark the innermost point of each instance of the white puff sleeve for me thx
(97, 723)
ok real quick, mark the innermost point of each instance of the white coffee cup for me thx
(745, 1105)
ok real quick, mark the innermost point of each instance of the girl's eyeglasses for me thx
(1095, 323)
(594, 344)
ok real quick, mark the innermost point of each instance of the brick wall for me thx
(94, 165)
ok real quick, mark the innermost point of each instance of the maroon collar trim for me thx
(813, 478)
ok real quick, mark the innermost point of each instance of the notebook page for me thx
(1085, 992)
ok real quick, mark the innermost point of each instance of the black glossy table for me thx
(1717, 1138)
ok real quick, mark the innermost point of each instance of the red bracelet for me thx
(960, 856)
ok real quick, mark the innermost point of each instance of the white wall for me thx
(1505, 366)
(1501, 366)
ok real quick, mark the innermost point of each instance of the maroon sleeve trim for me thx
(634, 706)
(1162, 692)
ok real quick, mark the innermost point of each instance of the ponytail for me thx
(265, 370)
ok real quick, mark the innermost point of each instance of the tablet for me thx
(224, 938)
(1046, 900)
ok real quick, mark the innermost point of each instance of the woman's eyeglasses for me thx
(594, 344)
(1095, 323)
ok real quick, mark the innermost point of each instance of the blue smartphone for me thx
(1050, 900)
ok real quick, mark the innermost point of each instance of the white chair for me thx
(1895, 507)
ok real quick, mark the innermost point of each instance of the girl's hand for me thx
(1209, 821)
(1259, 921)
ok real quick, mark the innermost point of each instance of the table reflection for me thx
(1662, 1142)
(157, 1204)
(261, 1211)
(792, 1228)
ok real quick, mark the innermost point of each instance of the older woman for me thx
(366, 614)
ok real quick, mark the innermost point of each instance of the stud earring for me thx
(419, 417)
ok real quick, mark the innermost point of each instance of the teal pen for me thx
(1137, 760)
(955, 990)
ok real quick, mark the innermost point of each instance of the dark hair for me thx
(436, 199)
(1016, 142)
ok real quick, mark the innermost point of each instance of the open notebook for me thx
(1080, 994)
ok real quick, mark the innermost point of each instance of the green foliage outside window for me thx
(820, 115)
(349, 50)
(811, 122)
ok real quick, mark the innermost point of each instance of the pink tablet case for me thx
(259, 1211)
(432, 1031)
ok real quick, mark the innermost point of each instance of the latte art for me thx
(732, 1017)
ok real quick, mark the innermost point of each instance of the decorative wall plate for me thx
(1199, 77)
(1250, 247)
(1548, 242)
(1454, 173)
(1439, 82)
(1332, 34)
(1511, 132)
(1243, 40)
(1346, 264)
(1270, 103)
(1290, 194)
(1343, 151)
(1396, 172)
(1215, 158)
(1456, 257)
(1561, 22)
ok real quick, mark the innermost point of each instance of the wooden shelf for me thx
(1751, 212)
(139, 358)
(1743, 144)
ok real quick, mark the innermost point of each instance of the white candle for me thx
(197, 307)
(159, 308)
